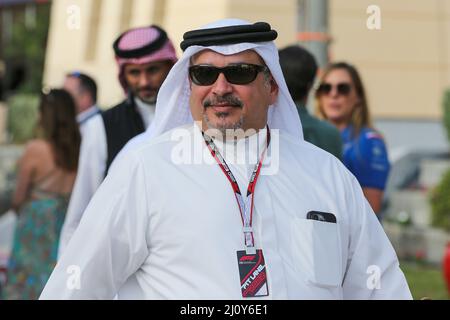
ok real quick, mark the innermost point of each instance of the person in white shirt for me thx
(83, 89)
(144, 56)
(235, 205)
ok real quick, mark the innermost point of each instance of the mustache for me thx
(227, 99)
(147, 88)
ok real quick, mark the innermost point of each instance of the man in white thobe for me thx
(83, 89)
(254, 213)
(144, 56)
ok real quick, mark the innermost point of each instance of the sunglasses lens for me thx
(203, 75)
(324, 88)
(343, 88)
(240, 74)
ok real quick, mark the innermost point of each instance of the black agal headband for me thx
(258, 32)
(151, 47)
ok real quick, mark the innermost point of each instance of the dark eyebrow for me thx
(134, 70)
(237, 63)
(153, 67)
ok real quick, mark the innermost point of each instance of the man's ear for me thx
(85, 99)
(273, 90)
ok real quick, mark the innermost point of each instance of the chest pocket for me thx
(316, 251)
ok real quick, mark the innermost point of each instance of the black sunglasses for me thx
(242, 73)
(342, 88)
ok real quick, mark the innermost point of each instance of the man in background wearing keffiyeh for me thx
(144, 57)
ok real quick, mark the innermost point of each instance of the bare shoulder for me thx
(36, 147)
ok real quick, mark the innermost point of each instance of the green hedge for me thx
(26, 47)
(440, 197)
(440, 204)
(22, 117)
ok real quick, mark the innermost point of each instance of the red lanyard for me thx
(245, 210)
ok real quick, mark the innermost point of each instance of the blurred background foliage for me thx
(25, 56)
(27, 48)
(22, 117)
(440, 204)
(440, 196)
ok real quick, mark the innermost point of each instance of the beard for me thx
(226, 129)
(148, 99)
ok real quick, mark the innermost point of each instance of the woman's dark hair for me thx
(59, 127)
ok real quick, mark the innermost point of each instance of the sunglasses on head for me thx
(242, 73)
(342, 88)
(75, 74)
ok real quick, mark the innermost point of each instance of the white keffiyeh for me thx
(172, 106)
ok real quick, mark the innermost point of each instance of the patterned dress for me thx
(35, 247)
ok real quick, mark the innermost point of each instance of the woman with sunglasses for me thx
(46, 175)
(341, 100)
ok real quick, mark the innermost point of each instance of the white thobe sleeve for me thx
(373, 270)
(91, 172)
(110, 243)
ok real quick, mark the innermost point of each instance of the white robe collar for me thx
(147, 111)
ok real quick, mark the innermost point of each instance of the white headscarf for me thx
(172, 106)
